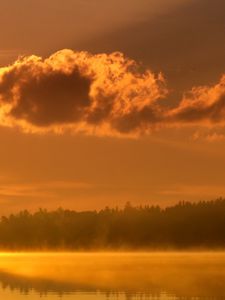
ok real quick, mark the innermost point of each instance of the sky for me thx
(105, 102)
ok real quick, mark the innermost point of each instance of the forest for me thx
(185, 225)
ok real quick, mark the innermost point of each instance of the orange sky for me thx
(88, 129)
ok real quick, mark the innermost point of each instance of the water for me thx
(122, 276)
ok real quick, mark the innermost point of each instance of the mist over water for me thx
(168, 275)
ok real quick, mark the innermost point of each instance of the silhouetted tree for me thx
(181, 226)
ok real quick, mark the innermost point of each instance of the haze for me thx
(160, 157)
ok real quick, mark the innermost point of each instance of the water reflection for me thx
(43, 287)
(114, 275)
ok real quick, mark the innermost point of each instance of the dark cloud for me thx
(104, 94)
(52, 98)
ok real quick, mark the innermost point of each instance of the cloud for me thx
(210, 137)
(203, 191)
(201, 106)
(103, 94)
(41, 189)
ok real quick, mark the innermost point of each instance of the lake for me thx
(98, 276)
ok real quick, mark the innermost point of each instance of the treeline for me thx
(185, 225)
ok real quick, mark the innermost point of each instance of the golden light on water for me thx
(173, 272)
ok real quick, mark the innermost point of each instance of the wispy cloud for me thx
(201, 191)
(208, 136)
(41, 189)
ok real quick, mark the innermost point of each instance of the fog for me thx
(183, 274)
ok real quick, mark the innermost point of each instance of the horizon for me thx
(119, 208)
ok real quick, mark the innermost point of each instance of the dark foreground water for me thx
(119, 276)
